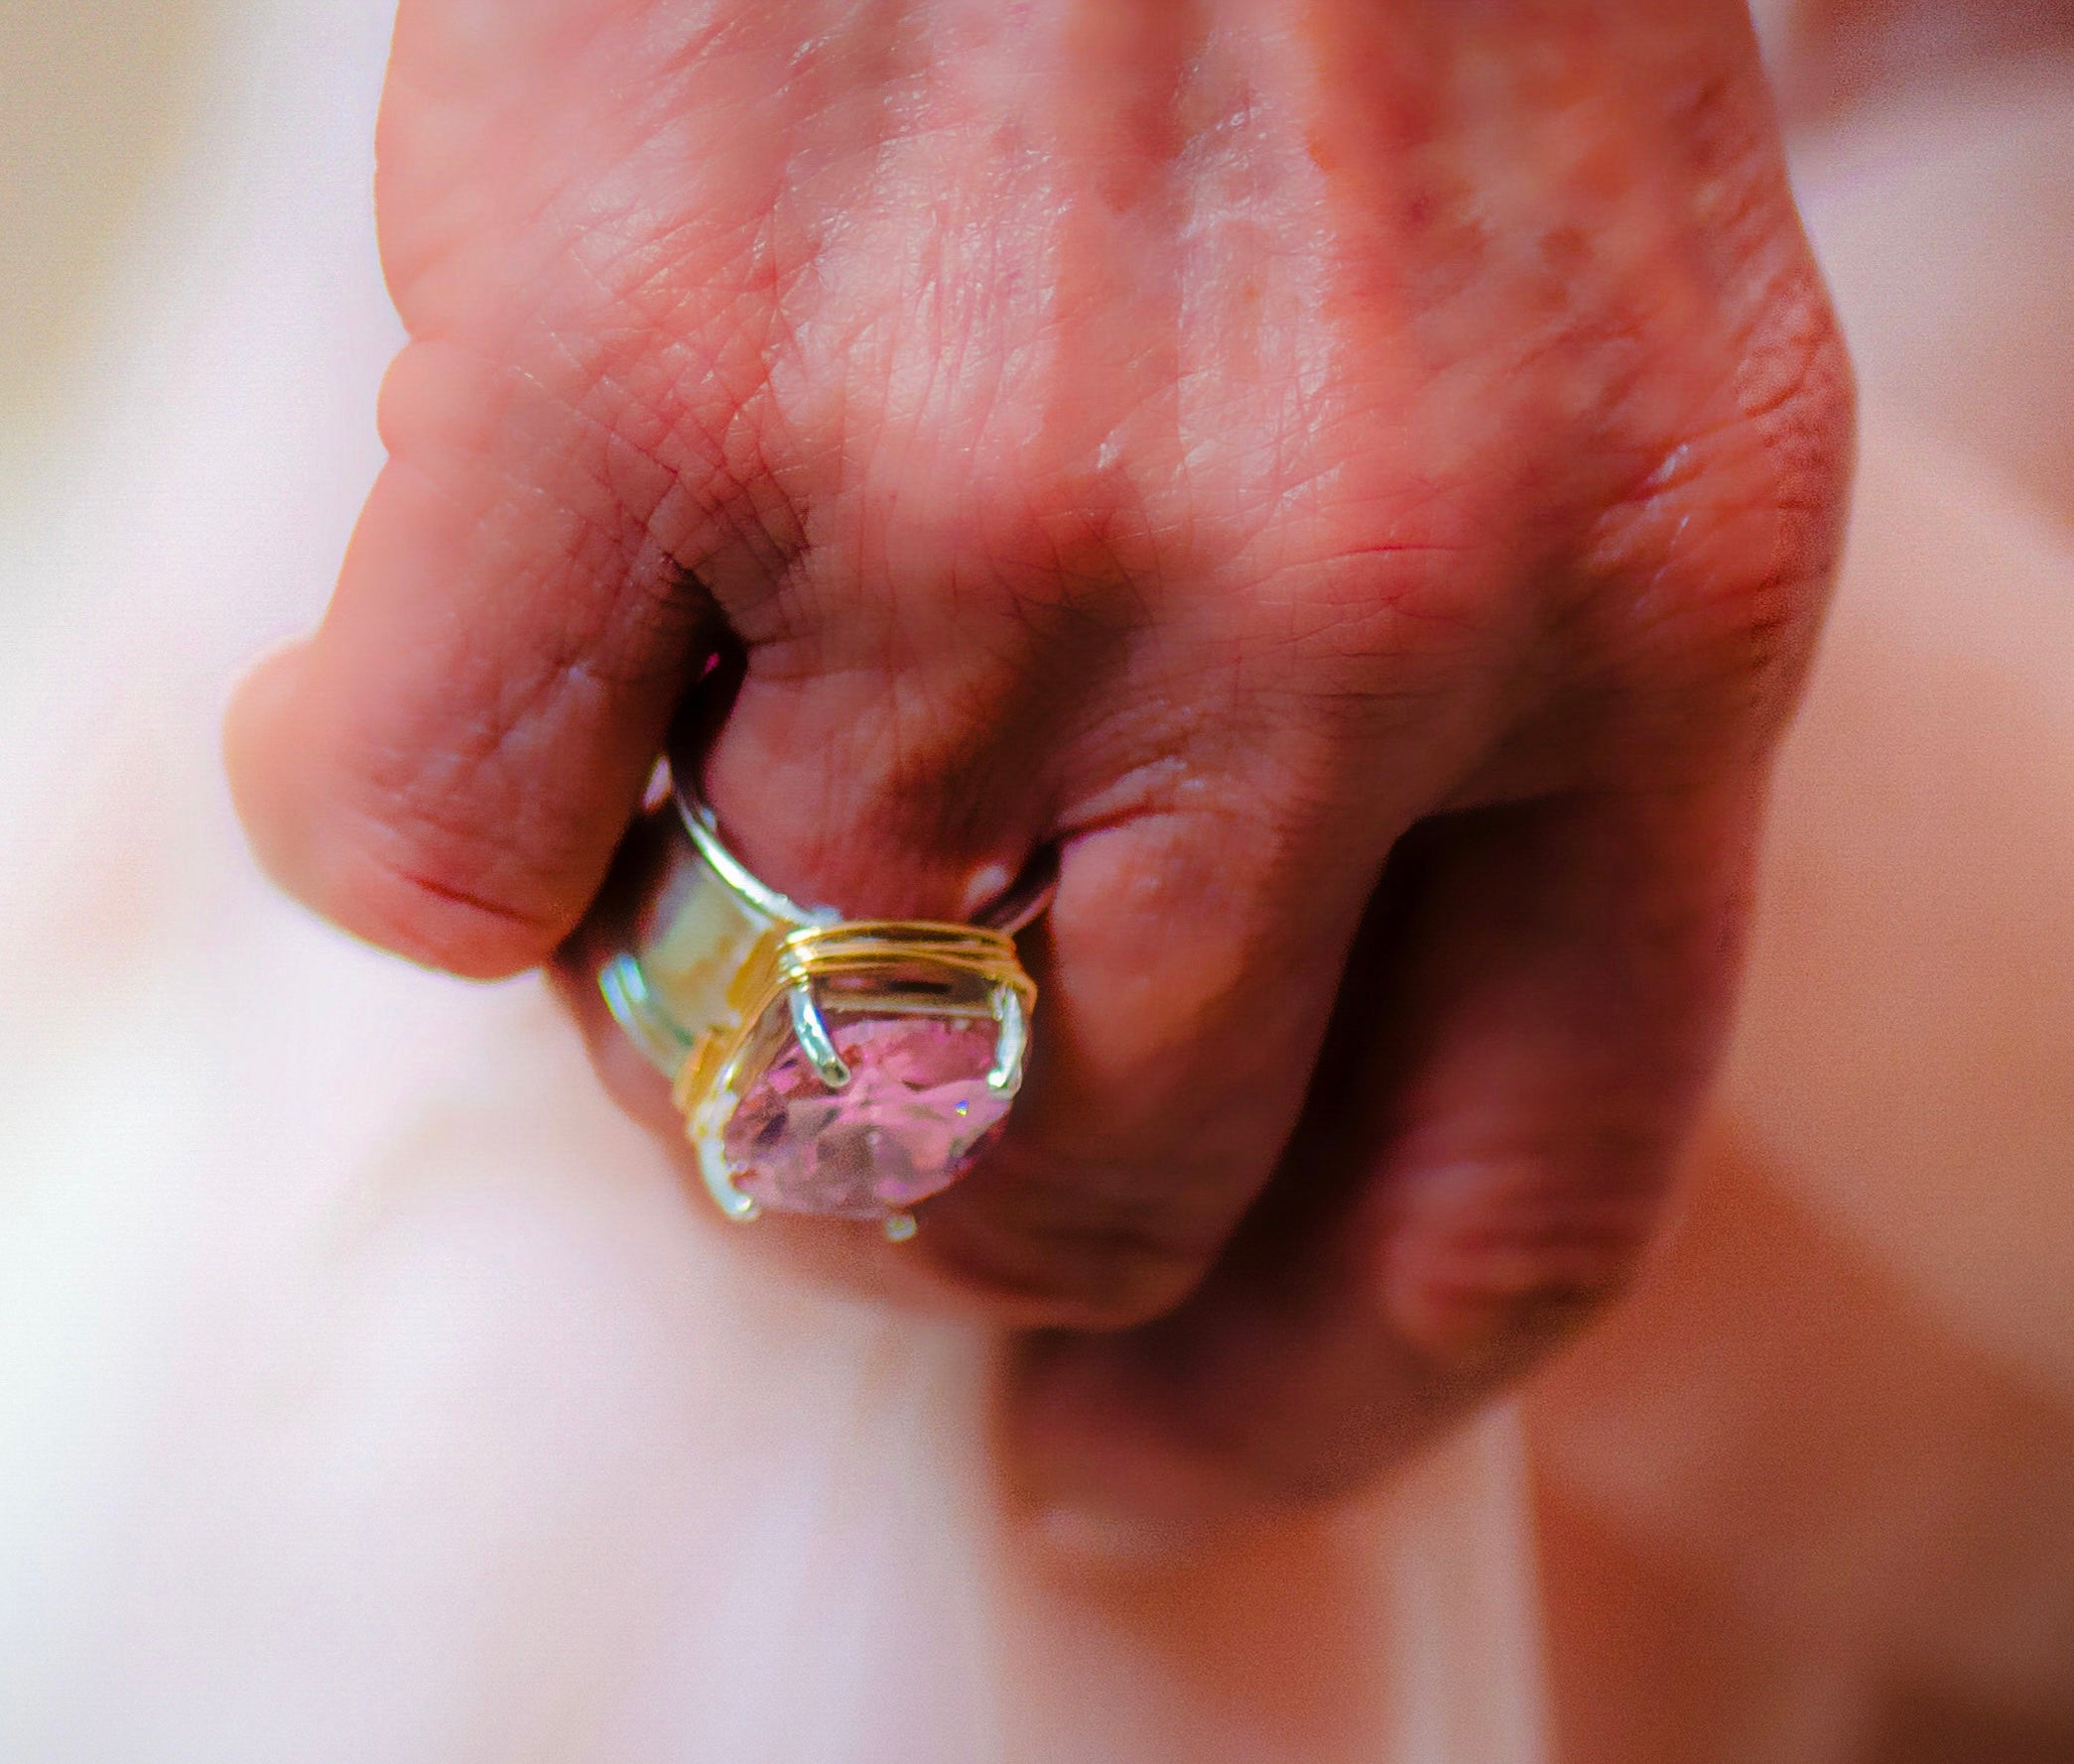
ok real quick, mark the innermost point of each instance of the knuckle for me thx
(1718, 563)
(1375, 628)
(1797, 400)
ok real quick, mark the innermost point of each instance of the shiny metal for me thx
(809, 1028)
(719, 1181)
(714, 970)
(1013, 1039)
(703, 828)
(1020, 907)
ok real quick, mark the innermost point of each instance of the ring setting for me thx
(825, 1066)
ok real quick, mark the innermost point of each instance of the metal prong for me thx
(1006, 1071)
(899, 1226)
(809, 1028)
(720, 1183)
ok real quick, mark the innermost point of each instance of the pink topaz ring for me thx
(846, 1068)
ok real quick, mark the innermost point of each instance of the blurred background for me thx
(98, 95)
(312, 1269)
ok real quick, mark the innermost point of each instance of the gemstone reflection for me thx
(915, 1115)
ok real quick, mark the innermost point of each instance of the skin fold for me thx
(1359, 479)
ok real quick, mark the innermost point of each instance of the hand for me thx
(1360, 478)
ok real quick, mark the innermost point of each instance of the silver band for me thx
(1024, 902)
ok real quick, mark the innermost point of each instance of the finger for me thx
(1516, 1062)
(447, 765)
(1187, 966)
(1189, 969)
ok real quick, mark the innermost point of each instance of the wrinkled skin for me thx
(1243, 444)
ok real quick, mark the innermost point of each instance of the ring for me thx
(845, 1068)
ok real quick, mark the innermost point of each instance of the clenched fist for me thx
(1355, 478)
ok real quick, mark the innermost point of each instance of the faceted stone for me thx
(915, 1115)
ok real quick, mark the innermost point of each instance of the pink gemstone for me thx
(916, 1112)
